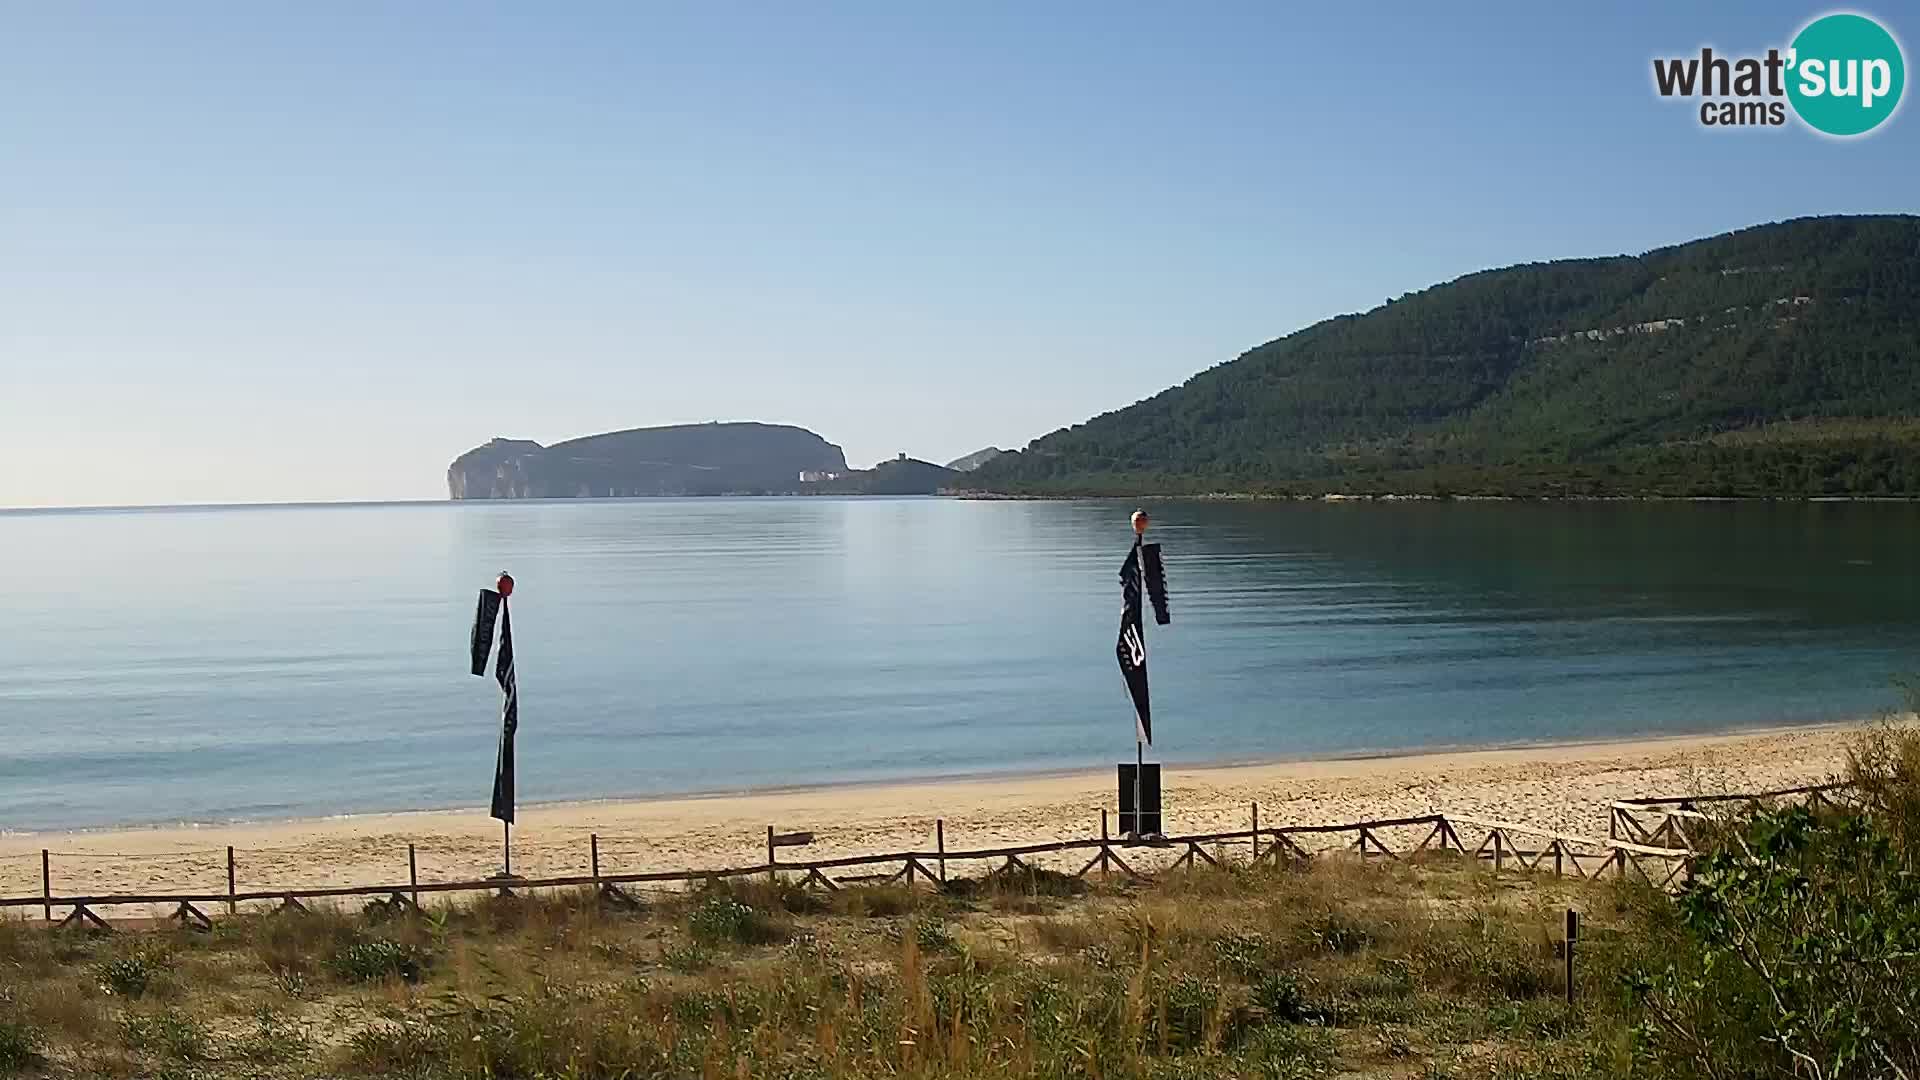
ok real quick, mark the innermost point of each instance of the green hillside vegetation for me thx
(1780, 360)
(901, 476)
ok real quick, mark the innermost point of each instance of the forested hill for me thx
(1778, 360)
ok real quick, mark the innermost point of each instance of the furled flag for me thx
(1143, 561)
(492, 602)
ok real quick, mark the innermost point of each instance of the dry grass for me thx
(1369, 968)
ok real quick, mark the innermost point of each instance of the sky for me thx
(278, 252)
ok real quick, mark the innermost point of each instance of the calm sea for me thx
(215, 664)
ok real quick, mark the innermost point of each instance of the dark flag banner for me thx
(482, 644)
(1156, 575)
(1132, 646)
(1143, 566)
(483, 620)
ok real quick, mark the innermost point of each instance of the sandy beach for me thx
(1565, 788)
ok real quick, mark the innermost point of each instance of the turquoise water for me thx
(214, 664)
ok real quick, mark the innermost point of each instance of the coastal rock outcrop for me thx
(685, 459)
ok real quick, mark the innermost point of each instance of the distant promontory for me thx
(684, 459)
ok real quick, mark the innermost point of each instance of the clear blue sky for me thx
(278, 251)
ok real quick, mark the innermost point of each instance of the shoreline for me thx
(1562, 787)
(1397, 497)
(947, 779)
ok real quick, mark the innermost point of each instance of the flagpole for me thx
(1139, 748)
(1139, 766)
(506, 849)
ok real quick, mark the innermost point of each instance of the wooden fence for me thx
(1529, 848)
(1669, 821)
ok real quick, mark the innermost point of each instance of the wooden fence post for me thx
(231, 906)
(46, 885)
(940, 844)
(413, 877)
(1256, 830)
(1573, 931)
(771, 878)
(593, 845)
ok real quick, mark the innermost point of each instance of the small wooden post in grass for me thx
(1256, 831)
(231, 907)
(46, 886)
(593, 844)
(770, 872)
(1573, 931)
(940, 845)
(413, 877)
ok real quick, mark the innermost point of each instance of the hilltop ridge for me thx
(1778, 360)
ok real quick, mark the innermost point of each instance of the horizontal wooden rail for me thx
(1677, 800)
(1565, 838)
(1674, 811)
(910, 863)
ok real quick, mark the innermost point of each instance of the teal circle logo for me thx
(1845, 74)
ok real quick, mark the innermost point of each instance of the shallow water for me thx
(212, 664)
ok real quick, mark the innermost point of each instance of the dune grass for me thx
(1370, 968)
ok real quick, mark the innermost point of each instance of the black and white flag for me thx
(1143, 562)
(482, 644)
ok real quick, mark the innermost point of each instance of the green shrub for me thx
(168, 1034)
(1801, 945)
(1285, 1052)
(373, 959)
(1283, 994)
(19, 1046)
(1245, 954)
(721, 919)
(131, 976)
(929, 935)
(1189, 1005)
(689, 958)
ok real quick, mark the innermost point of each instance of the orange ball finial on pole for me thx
(1140, 522)
(505, 585)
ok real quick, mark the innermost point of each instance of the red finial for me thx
(505, 584)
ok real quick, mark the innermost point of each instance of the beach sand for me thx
(1563, 788)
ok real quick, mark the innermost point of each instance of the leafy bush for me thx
(929, 935)
(721, 919)
(1246, 954)
(373, 959)
(1801, 954)
(132, 975)
(1283, 995)
(166, 1034)
(689, 958)
(19, 1046)
(1188, 1005)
